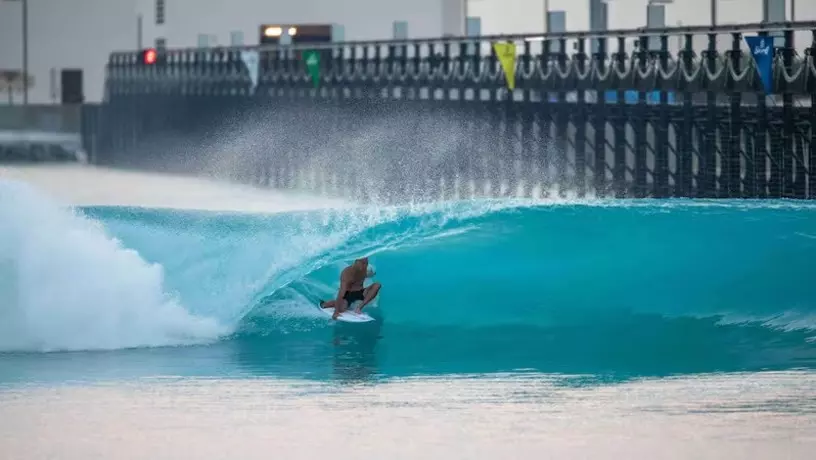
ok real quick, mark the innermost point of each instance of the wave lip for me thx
(66, 285)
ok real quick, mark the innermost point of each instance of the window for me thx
(161, 44)
(159, 12)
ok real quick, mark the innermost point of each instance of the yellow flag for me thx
(506, 52)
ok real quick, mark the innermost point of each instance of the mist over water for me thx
(375, 156)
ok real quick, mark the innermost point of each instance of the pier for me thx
(701, 112)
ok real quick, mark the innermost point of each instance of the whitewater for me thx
(147, 303)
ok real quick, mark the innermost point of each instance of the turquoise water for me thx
(607, 290)
(622, 329)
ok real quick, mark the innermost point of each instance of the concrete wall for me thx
(45, 118)
(41, 133)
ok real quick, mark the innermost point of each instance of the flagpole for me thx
(547, 16)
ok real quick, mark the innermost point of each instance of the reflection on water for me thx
(379, 350)
(739, 416)
(387, 391)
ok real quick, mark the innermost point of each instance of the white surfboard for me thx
(348, 316)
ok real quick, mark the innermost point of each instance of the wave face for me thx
(675, 285)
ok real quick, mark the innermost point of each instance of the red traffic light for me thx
(150, 56)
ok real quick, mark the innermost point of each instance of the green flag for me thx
(312, 59)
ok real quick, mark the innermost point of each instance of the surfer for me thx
(351, 288)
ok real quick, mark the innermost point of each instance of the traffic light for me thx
(150, 56)
(153, 57)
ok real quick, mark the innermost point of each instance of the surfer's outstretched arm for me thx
(340, 302)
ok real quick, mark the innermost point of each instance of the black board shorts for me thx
(354, 296)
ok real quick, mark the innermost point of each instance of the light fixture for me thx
(273, 31)
(150, 56)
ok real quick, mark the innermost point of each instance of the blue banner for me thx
(762, 50)
(633, 97)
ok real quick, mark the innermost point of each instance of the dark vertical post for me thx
(580, 120)
(733, 187)
(619, 122)
(639, 123)
(562, 123)
(685, 144)
(708, 159)
(527, 122)
(544, 122)
(774, 150)
(507, 149)
(599, 23)
(600, 123)
(750, 188)
(762, 156)
(812, 143)
(481, 135)
(399, 61)
(788, 130)
(418, 112)
(446, 67)
(465, 170)
(496, 149)
(661, 173)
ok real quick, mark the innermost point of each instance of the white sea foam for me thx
(66, 285)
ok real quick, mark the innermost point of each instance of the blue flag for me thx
(762, 49)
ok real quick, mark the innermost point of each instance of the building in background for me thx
(528, 16)
(80, 34)
(496, 17)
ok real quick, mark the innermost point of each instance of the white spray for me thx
(66, 285)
